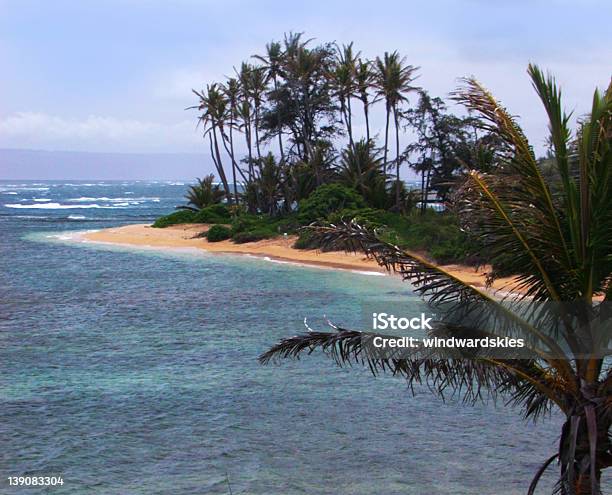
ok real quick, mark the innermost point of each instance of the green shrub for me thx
(181, 216)
(260, 224)
(368, 217)
(448, 252)
(305, 241)
(436, 234)
(213, 214)
(245, 222)
(204, 193)
(218, 233)
(288, 224)
(253, 235)
(327, 199)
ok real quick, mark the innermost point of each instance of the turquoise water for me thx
(134, 371)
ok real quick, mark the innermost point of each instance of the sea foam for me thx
(58, 206)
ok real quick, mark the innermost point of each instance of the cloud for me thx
(96, 133)
(177, 84)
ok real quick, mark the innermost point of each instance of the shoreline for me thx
(278, 249)
(184, 236)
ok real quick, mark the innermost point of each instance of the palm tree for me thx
(343, 79)
(393, 82)
(232, 93)
(272, 61)
(213, 106)
(299, 182)
(364, 79)
(203, 194)
(257, 87)
(560, 247)
(361, 168)
(244, 112)
(269, 184)
(293, 44)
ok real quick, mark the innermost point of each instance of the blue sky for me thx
(115, 76)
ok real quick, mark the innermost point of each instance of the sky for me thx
(116, 76)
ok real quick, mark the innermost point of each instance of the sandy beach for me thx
(280, 248)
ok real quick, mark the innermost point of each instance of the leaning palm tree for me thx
(394, 82)
(558, 242)
(213, 107)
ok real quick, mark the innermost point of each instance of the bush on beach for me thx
(181, 216)
(328, 199)
(211, 214)
(218, 233)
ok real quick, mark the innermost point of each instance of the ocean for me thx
(134, 371)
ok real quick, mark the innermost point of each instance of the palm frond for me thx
(442, 289)
(471, 379)
(539, 473)
(534, 228)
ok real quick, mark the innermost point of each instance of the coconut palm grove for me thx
(290, 137)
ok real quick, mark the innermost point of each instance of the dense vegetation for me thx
(295, 110)
(218, 233)
(438, 235)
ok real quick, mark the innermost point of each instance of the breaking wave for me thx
(57, 206)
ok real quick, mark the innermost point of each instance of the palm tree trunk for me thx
(257, 134)
(584, 477)
(386, 143)
(223, 178)
(231, 139)
(247, 135)
(218, 167)
(307, 125)
(231, 153)
(212, 154)
(349, 121)
(234, 164)
(427, 179)
(249, 139)
(367, 119)
(279, 127)
(423, 191)
(397, 160)
(345, 118)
